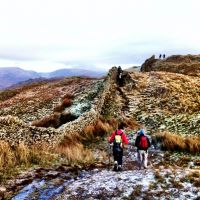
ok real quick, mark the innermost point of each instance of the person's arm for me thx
(124, 139)
(149, 143)
(137, 141)
(111, 139)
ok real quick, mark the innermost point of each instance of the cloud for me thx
(95, 33)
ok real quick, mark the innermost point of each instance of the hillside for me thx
(64, 124)
(164, 100)
(183, 64)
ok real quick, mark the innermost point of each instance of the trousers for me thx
(118, 156)
(142, 158)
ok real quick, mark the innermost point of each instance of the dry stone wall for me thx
(90, 117)
(14, 130)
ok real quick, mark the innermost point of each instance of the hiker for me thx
(119, 75)
(160, 56)
(142, 143)
(163, 56)
(118, 139)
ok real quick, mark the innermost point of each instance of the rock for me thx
(147, 65)
(2, 189)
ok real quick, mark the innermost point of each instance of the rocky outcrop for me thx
(147, 66)
(188, 64)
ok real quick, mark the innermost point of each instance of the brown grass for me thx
(176, 184)
(48, 121)
(101, 129)
(131, 123)
(7, 94)
(13, 157)
(113, 123)
(173, 142)
(88, 133)
(96, 131)
(68, 96)
(137, 191)
(65, 103)
(158, 176)
(73, 150)
(194, 178)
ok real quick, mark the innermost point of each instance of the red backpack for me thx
(143, 144)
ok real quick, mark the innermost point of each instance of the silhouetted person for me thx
(163, 56)
(160, 56)
(119, 75)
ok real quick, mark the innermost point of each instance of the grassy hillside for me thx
(164, 100)
(38, 100)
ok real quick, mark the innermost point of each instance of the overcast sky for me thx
(45, 35)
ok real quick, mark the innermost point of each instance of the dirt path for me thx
(159, 181)
(156, 182)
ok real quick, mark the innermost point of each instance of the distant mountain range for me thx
(13, 75)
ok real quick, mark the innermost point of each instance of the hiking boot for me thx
(119, 168)
(115, 166)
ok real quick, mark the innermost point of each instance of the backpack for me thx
(143, 144)
(117, 142)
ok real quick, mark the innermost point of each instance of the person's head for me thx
(121, 125)
(142, 132)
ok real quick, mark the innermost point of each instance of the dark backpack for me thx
(117, 142)
(143, 144)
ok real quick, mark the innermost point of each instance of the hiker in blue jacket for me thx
(142, 143)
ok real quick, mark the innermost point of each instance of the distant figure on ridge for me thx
(119, 75)
(142, 143)
(118, 139)
(160, 56)
(163, 56)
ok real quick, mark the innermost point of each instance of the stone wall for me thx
(14, 130)
(89, 118)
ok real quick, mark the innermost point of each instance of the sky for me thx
(45, 35)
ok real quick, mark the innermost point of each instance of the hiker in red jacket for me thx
(142, 143)
(118, 139)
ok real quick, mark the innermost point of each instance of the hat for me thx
(142, 132)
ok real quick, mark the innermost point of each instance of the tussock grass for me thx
(7, 94)
(72, 144)
(48, 121)
(113, 123)
(96, 131)
(102, 129)
(131, 123)
(68, 96)
(88, 133)
(74, 151)
(23, 156)
(174, 142)
(65, 103)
